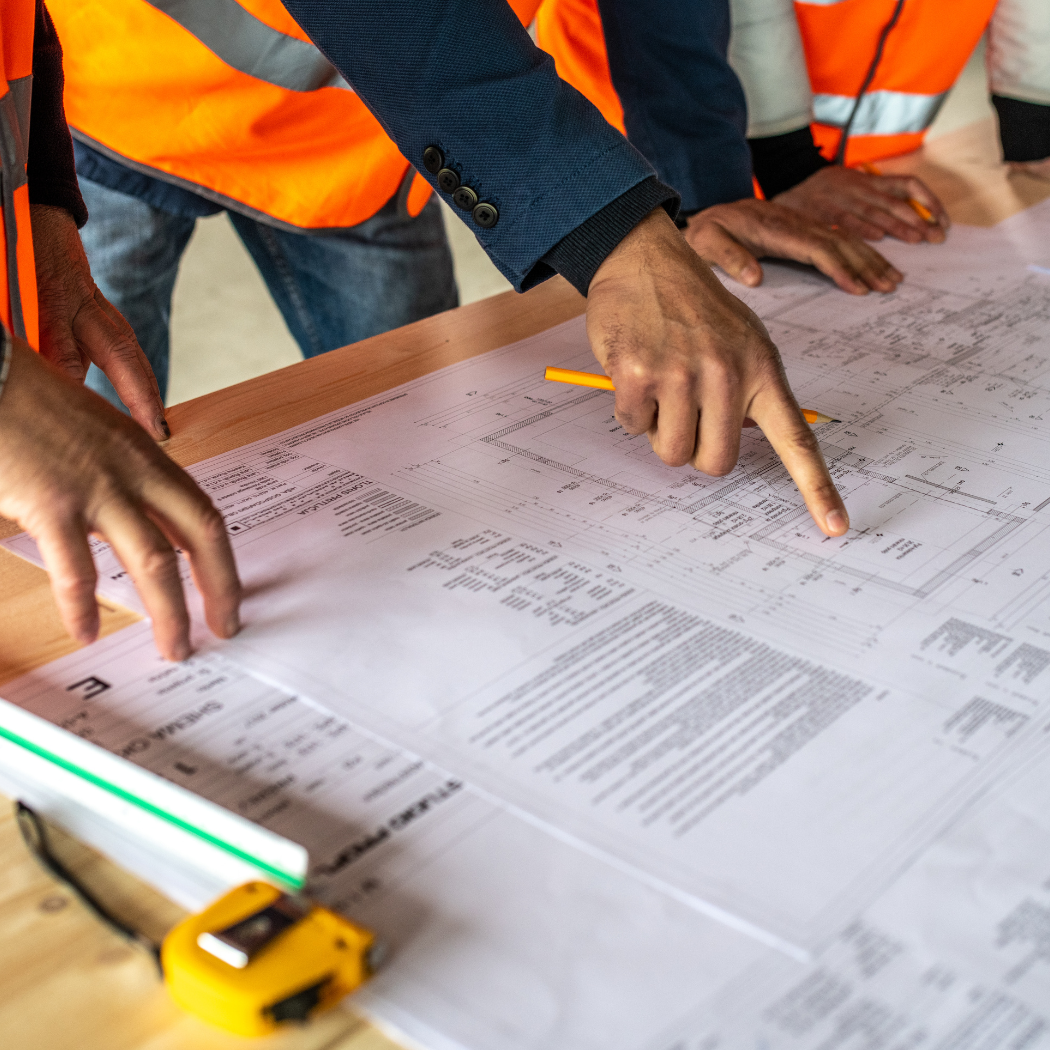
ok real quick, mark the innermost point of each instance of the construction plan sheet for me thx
(498, 935)
(677, 673)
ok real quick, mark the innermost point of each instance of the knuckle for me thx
(157, 561)
(674, 453)
(803, 440)
(631, 422)
(716, 463)
(75, 590)
(679, 376)
(211, 525)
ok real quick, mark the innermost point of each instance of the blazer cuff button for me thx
(485, 215)
(465, 198)
(433, 159)
(448, 180)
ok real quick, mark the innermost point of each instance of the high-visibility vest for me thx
(922, 56)
(18, 306)
(230, 99)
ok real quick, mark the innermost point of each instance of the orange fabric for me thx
(26, 269)
(17, 19)
(147, 89)
(274, 14)
(418, 195)
(525, 10)
(863, 148)
(924, 54)
(571, 32)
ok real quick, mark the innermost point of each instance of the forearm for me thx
(463, 75)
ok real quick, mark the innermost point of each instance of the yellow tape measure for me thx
(258, 957)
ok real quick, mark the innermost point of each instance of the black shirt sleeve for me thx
(1024, 128)
(782, 161)
(578, 256)
(51, 171)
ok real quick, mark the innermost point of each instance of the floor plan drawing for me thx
(682, 672)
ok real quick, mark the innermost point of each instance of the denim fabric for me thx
(332, 289)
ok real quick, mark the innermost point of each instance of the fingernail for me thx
(751, 274)
(181, 652)
(837, 522)
(162, 424)
(232, 625)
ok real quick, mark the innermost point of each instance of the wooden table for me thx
(65, 981)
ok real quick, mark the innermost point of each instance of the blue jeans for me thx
(332, 289)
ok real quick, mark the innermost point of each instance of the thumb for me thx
(715, 245)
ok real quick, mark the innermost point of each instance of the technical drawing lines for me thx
(953, 489)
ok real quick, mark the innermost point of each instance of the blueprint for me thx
(680, 673)
(499, 936)
(955, 955)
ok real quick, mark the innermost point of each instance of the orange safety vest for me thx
(18, 306)
(922, 56)
(229, 98)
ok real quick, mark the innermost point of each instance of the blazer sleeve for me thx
(683, 105)
(464, 76)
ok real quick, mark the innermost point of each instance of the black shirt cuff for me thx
(1024, 128)
(578, 255)
(50, 169)
(782, 161)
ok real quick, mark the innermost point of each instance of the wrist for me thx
(641, 245)
(580, 255)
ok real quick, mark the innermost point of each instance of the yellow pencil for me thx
(568, 375)
(918, 207)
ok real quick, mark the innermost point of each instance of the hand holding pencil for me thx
(870, 204)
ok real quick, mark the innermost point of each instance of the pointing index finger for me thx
(794, 442)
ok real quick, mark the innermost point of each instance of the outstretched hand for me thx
(79, 326)
(72, 466)
(734, 236)
(870, 206)
(690, 362)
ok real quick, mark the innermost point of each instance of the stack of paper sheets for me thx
(622, 755)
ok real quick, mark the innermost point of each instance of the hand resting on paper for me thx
(71, 465)
(690, 362)
(870, 206)
(734, 236)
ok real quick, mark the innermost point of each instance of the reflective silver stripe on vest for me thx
(14, 153)
(880, 112)
(251, 46)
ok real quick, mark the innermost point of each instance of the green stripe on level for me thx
(71, 767)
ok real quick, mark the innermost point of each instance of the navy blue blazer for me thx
(683, 105)
(464, 76)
